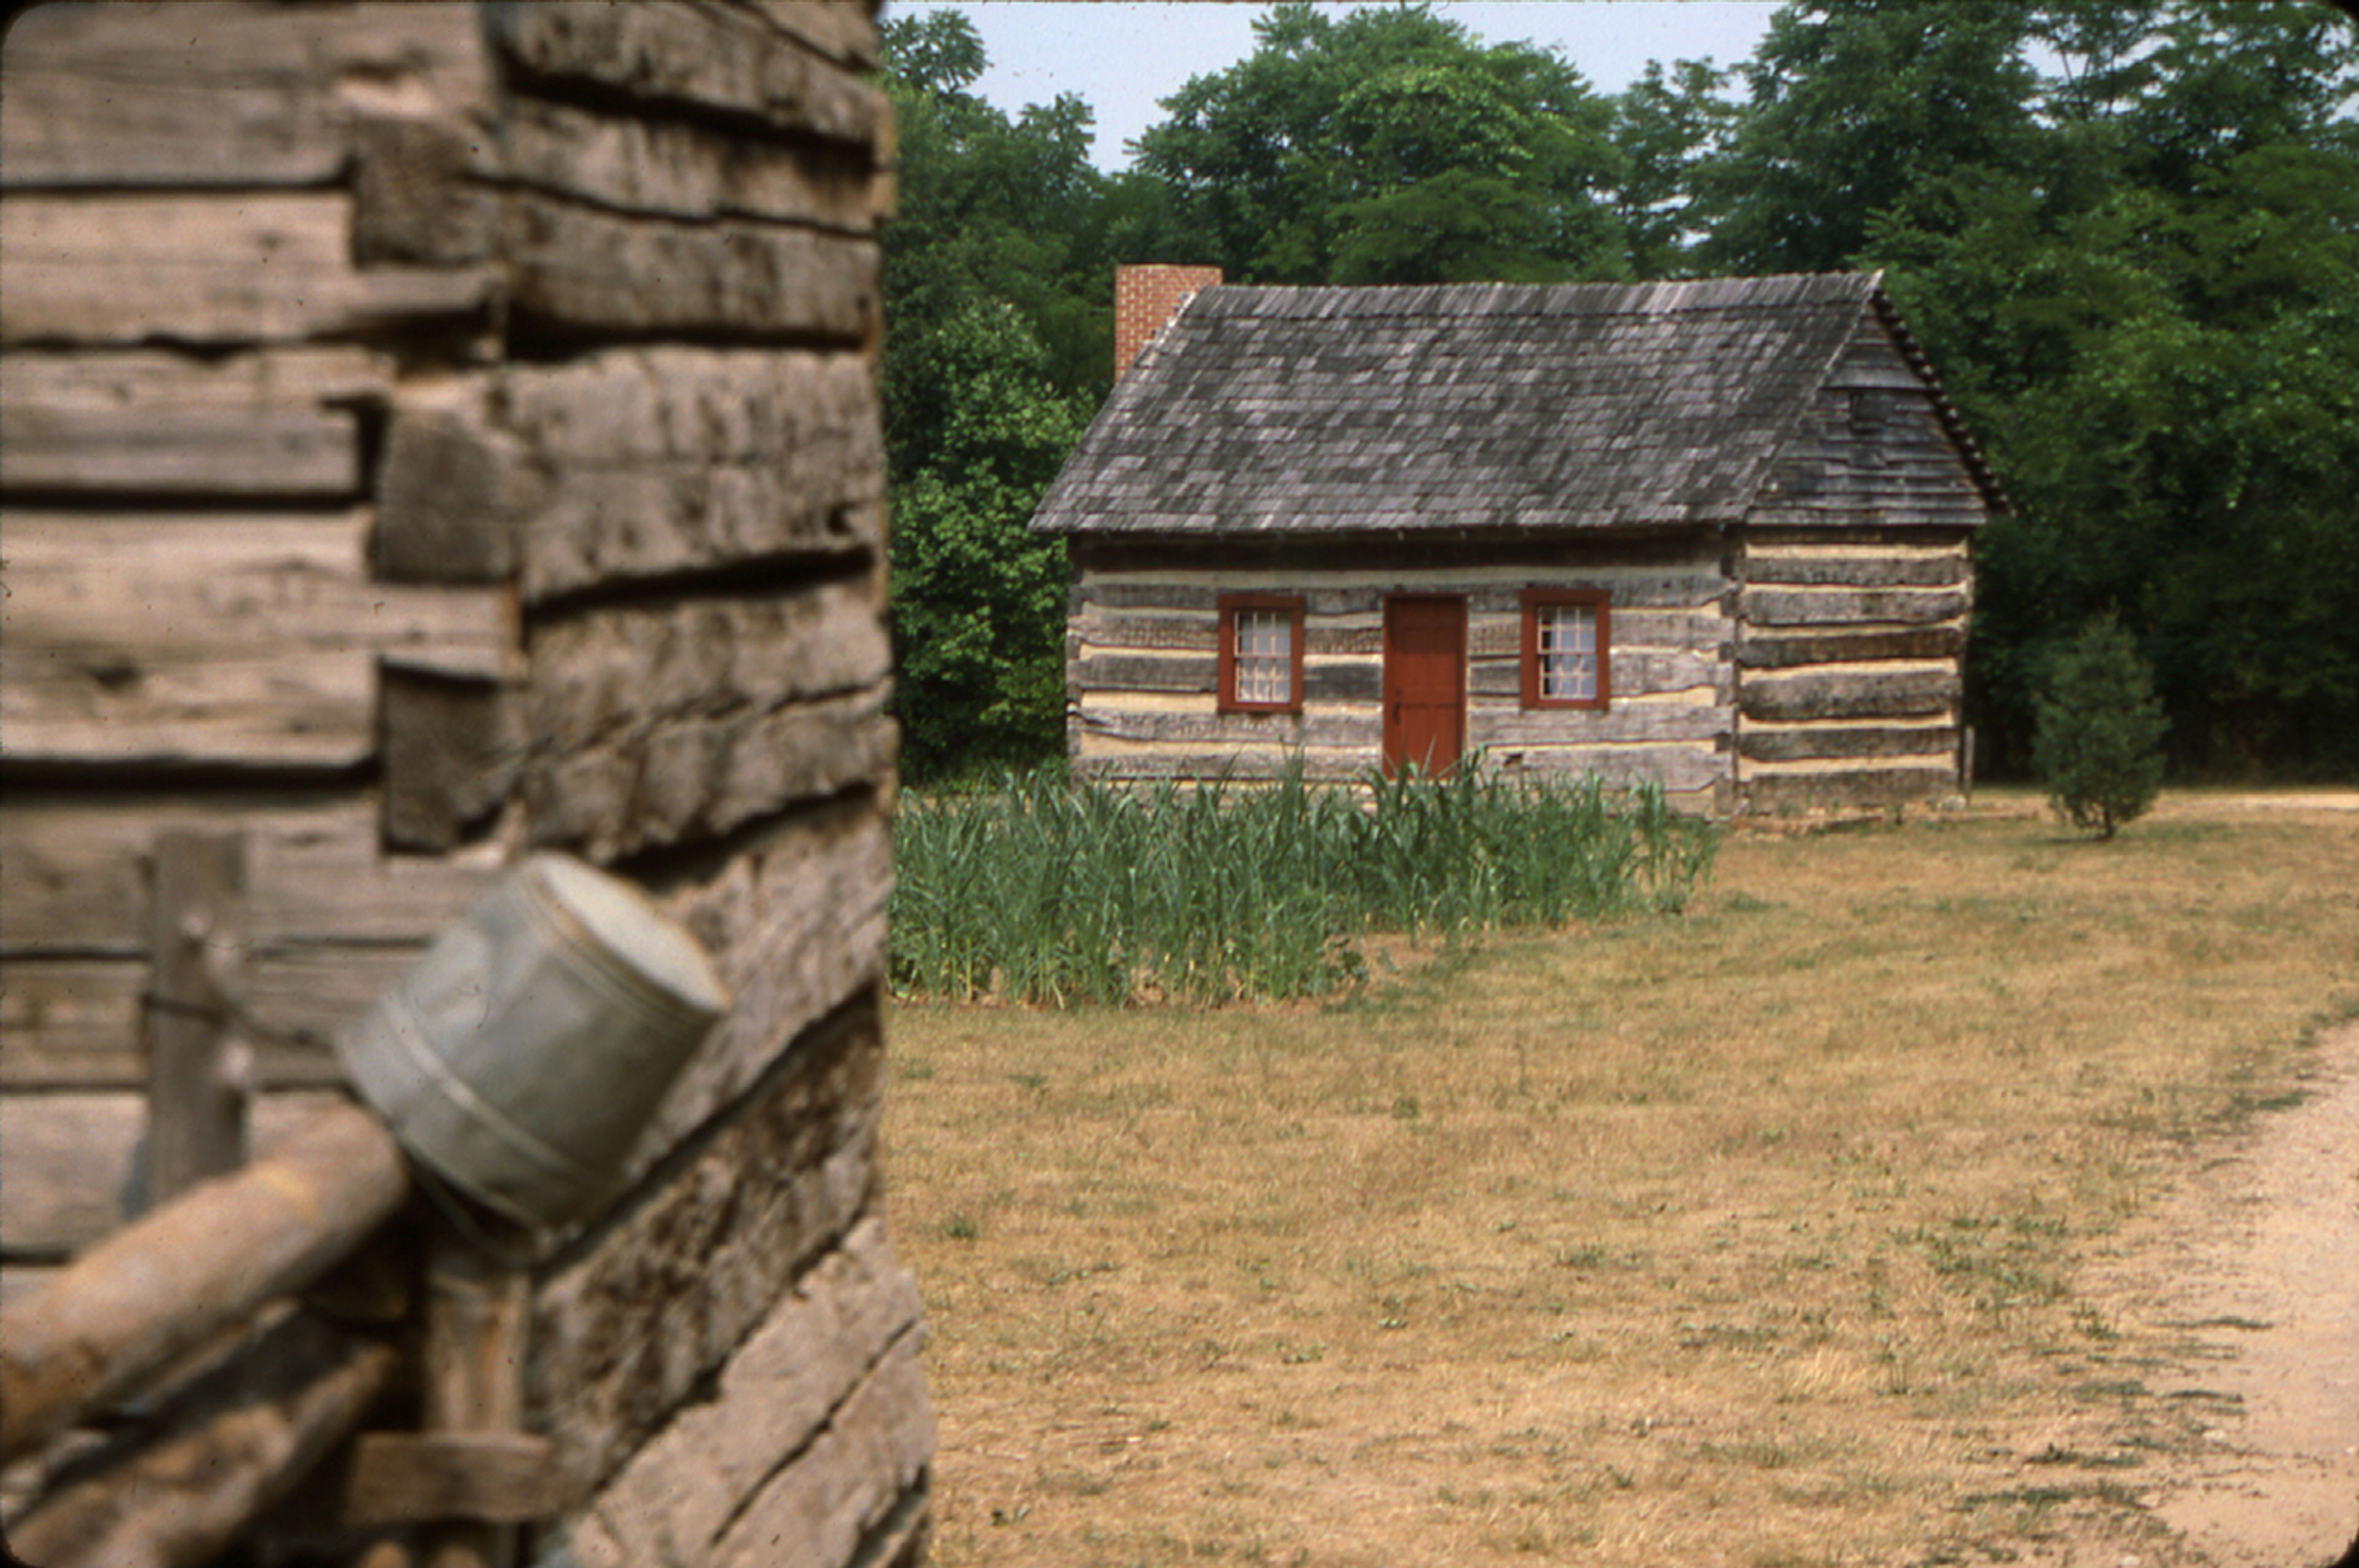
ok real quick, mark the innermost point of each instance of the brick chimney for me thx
(1145, 300)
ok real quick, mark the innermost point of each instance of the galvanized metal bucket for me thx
(521, 1058)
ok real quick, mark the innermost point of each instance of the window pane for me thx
(1568, 653)
(1265, 664)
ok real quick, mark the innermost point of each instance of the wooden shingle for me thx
(1467, 409)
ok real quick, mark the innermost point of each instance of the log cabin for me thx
(430, 435)
(1714, 535)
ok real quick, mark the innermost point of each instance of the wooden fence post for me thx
(477, 1312)
(198, 1079)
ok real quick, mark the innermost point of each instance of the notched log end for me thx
(414, 200)
(452, 748)
(451, 497)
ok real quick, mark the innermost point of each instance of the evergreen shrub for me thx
(2098, 728)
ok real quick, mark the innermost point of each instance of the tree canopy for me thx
(1390, 146)
(986, 267)
(2145, 311)
(2126, 231)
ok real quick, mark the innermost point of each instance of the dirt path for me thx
(2261, 1273)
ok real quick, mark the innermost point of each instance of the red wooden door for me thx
(1425, 683)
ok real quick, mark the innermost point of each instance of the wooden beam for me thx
(1946, 570)
(681, 169)
(1327, 680)
(574, 269)
(1811, 743)
(660, 1298)
(65, 1162)
(260, 95)
(688, 778)
(872, 1453)
(383, 1479)
(1851, 692)
(1373, 574)
(1636, 673)
(632, 463)
(273, 422)
(73, 1024)
(233, 268)
(78, 1030)
(171, 1280)
(606, 674)
(796, 922)
(708, 62)
(416, 196)
(840, 31)
(451, 749)
(1762, 650)
(225, 1450)
(316, 874)
(197, 1090)
(657, 461)
(1845, 606)
(781, 1392)
(68, 1023)
(1846, 791)
(843, 33)
(68, 1159)
(182, 638)
(452, 489)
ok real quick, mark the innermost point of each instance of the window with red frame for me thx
(1261, 652)
(1565, 660)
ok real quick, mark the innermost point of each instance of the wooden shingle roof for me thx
(1474, 407)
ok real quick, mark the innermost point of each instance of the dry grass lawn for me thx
(1754, 1236)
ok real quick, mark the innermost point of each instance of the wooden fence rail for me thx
(174, 1280)
(229, 1446)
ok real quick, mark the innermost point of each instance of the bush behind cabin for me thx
(1044, 891)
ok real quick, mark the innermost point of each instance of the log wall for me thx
(1143, 640)
(1850, 652)
(430, 433)
(1792, 669)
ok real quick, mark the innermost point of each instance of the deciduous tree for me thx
(1390, 146)
(979, 603)
(980, 408)
(2134, 262)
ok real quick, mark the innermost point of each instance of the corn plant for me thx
(1042, 891)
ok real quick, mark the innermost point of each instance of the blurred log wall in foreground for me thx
(430, 433)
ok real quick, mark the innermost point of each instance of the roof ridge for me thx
(1617, 298)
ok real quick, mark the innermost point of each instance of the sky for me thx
(1120, 57)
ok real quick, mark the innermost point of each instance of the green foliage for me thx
(1666, 128)
(2098, 744)
(1389, 145)
(2136, 274)
(2154, 333)
(989, 210)
(992, 364)
(1044, 892)
(1859, 107)
(979, 603)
